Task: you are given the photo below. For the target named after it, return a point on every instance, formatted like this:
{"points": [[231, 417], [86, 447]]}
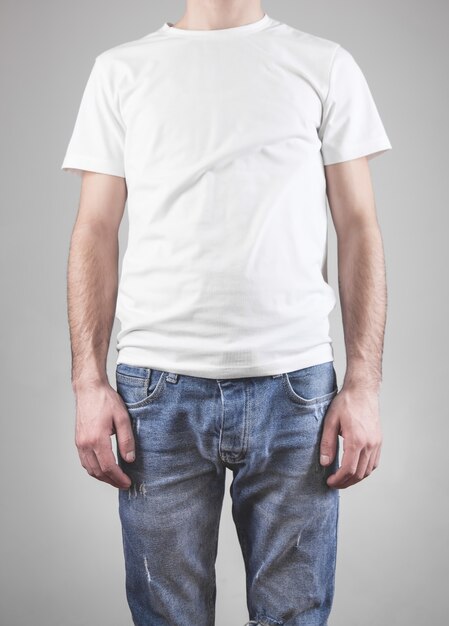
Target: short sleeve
{"points": [[98, 136], [351, 126]]}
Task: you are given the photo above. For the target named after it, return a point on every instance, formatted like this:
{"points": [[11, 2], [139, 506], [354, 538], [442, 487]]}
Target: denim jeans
{"points": [[267, 431]]}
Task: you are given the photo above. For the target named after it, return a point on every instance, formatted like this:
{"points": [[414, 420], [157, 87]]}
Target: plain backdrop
{"points": [[61, 552]]}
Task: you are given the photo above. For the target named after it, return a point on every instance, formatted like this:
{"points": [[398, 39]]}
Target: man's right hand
{"points": [[101, 413]]}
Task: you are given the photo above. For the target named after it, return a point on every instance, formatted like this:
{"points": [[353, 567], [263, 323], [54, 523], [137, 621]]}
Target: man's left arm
{"points": [[354, 412]]}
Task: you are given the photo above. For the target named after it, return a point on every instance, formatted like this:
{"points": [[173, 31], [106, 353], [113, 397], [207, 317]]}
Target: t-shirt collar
{"points": [[259, 24]]}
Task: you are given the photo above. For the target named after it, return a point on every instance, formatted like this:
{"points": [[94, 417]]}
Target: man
{"points": [[224, 133]]}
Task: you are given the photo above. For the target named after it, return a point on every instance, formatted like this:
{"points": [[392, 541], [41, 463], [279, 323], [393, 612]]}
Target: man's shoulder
{"points": [[308, 41], [312, 54], [129, 50]]}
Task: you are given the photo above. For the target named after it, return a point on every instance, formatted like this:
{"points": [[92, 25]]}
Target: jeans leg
{"points": [[285, 514], [170, 515]]}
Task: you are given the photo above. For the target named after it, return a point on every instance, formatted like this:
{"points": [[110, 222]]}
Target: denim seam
{"points": [[157, 391], [222, 422], [228, 457], [305, 402], [142, 381]]}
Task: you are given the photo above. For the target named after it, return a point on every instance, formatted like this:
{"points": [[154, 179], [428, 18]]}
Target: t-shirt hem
{"points": [[78, 163], [369, 149], [141, 358]]}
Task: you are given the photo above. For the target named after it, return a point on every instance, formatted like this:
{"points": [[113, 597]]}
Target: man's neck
{"points": [[218, 14]]}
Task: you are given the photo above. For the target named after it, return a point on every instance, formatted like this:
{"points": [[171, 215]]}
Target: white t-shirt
{"points": [[222, 136]]}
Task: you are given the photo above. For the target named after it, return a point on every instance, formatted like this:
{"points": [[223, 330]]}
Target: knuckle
{"points": [[122, 420], [86, 443], [127, 440], [332, 422], [99, 449]]}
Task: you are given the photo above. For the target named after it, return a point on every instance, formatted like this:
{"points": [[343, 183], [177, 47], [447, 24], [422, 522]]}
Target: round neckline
{"points": [[259, 24]]}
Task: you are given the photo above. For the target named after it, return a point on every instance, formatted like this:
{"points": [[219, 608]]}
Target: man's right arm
{"points": [[92, 281]]}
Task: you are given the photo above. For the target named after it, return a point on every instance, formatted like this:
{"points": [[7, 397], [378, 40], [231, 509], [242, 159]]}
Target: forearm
{"points": [[91, 299], [363, 297]]}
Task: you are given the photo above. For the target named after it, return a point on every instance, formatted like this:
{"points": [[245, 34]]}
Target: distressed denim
{"points": [[266, 430]]}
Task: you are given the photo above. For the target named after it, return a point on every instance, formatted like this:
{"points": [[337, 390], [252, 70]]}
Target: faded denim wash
{"points": [[267, 431]]}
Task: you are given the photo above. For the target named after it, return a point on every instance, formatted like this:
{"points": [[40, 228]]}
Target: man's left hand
{"points": [[353, 414]]}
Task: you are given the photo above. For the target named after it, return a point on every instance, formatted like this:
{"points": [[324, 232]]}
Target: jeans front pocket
{"points": [[310, 386], [138, 386]]}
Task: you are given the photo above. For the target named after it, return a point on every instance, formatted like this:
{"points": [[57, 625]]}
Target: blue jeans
{"points": [[267, 431]]}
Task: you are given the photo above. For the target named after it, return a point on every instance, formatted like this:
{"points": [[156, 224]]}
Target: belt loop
{"points": [[172, 377], [276, 375]]}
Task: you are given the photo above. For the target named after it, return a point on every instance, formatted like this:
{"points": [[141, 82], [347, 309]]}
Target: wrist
{"points": [[359, 377], [91, 382], [361, 383]]}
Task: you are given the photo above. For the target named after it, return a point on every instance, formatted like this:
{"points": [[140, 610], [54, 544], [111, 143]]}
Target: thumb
{"points": [[328, 445], [125, 438]]}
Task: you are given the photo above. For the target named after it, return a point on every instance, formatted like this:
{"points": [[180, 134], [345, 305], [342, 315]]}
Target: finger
{"points": [[376, 462], [346, 471], [328, 444], [372, 461], [360, 472], [84, 461], [125, 436], [95, 468], [109, 467]]}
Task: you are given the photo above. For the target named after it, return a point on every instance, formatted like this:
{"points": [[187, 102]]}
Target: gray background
{"points": [[61, 554]]}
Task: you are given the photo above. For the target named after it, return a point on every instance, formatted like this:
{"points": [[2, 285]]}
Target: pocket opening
{"points": [[136, 391], [311, 386]]}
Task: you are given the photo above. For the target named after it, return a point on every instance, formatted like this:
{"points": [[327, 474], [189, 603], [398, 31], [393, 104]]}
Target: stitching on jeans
{"points": [[133, 379], [157, 391], [306, 402]]}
